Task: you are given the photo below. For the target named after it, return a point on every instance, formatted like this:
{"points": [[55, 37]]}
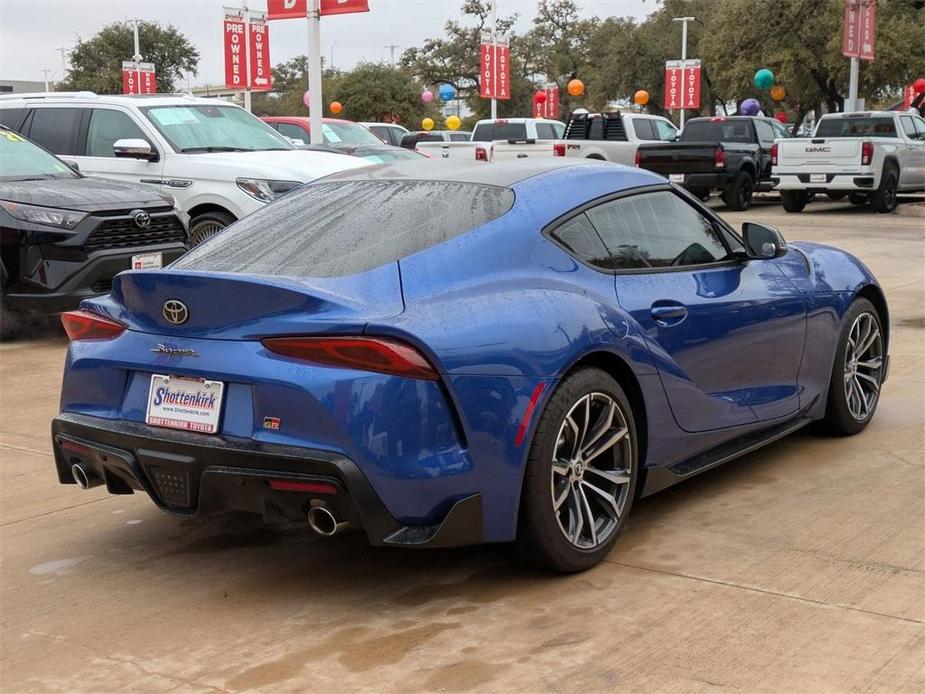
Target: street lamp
{"points": [[684, 21]]}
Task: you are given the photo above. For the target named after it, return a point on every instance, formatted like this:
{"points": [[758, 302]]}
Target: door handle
{"points": [[669, 315]]}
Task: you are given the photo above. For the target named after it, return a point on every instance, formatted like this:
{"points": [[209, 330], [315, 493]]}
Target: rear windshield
{"points": [[718, 131], [486, 132], [345, 227], [883, 126]]}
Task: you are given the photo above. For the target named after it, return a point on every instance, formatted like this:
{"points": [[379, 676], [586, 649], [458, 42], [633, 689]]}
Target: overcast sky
{"points": [[31, 30]]}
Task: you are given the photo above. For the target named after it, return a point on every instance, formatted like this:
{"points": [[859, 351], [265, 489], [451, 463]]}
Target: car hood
{"points": [[284, 165], [86, 194]]}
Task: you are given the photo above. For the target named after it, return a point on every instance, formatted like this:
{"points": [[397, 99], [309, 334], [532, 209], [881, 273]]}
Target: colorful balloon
{"points": [[427, 124], [540, 97], [781, 116], [764, 78], [453, 122], [306, 99], [641, 97], [778, 92], [576, 87], [427, 96], [750, 107], [336, 107], [919, 85], [447, 92]]}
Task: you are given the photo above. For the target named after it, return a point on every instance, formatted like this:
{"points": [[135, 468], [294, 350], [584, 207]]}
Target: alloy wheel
{"points": [[205, 231], [591, 470], [863, 366]]}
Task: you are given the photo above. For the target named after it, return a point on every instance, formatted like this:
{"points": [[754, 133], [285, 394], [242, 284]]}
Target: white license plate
{"points": [[181, 402], [817, 178], [148, 261], [676, 178]]}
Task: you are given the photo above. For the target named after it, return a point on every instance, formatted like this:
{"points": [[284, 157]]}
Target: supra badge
{"points": [[169, 351]]}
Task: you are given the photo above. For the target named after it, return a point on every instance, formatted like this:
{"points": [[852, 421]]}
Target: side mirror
{"points": [[71, 164], [134, 149], [762, 242]]}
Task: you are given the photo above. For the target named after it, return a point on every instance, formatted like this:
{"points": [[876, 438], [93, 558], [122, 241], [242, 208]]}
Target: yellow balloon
{"points": [[778, 93], [427, 124], [453, 122]]}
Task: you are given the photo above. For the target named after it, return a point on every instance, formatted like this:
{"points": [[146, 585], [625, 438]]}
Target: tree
{"points": [[381, 92], [96, 64]]}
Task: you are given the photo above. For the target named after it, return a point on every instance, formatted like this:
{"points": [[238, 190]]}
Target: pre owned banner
{"points": [[235, 41], [495, 68], [858, 29], [298, 9], [261, 78], [138, 80], [682, 84], [237, 45]]}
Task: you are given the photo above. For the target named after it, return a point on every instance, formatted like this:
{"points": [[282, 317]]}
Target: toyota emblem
{"points": [[142, 219], [175, 312]]}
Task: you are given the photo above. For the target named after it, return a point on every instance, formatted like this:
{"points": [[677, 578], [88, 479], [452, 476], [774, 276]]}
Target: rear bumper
{"points": [[194, 474], [847, 182]]}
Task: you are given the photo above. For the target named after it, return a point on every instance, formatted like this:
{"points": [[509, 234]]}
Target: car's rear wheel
{"points": [[884, 198], [208, 224], [580, 474], [793, 200], [857, 373], [739, 195]]}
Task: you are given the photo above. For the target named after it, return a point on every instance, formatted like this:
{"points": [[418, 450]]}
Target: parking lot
{"points": [[799, 568]]}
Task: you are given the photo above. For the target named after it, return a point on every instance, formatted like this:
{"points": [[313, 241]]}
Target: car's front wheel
{"points": [[794, 200], [580, 475], [206, 225], [857, 373]]}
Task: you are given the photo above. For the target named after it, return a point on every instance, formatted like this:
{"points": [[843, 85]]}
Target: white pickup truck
{"points": [[613, 136], [501, 139], [869, 156]]}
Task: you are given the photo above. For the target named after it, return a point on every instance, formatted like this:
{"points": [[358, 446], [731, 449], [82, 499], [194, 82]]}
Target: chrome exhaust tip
{"points": [[323, 522], [80, 476]]}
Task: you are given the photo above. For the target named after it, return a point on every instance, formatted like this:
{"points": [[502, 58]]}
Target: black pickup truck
{"points": [[731, 154]]}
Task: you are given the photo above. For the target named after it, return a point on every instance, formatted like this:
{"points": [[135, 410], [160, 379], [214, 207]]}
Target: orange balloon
{"points": [[576, 87], [778, 93], [641, 97], [336, 107]]}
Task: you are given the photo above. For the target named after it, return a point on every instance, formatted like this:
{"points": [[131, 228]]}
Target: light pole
{"points": [[332, 53], [392, 48], [316, 134], [494, 57], [684, 21], [137, 56], [46, 72], [63, 51]]}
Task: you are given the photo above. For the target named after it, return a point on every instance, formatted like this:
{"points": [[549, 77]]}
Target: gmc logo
{"points": [[810, 150]]}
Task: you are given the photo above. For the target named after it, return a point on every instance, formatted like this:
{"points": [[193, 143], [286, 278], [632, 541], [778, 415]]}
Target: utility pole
{"points": [[63, 51], [684, 21], [137, 56], [332, 54], [494, 57], [247, 56], [46, 71], [391, 48], [316, 133]]}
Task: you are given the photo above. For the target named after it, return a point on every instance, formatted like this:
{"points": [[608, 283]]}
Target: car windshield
{"points": [[499, 130], [717, 131], [207, 128], [348, 134], [341, 228], [882, 126], [20, 160]]}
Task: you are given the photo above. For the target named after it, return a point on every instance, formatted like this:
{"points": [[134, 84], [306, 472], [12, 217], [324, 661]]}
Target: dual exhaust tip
{"points": [[83, 478]]}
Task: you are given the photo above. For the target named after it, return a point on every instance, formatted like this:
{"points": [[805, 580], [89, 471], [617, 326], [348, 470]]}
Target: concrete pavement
{"points": [[800, 568]]}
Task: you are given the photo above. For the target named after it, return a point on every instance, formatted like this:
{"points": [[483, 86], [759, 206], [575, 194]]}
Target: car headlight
{"points": [[49, 216], [264, 189]]}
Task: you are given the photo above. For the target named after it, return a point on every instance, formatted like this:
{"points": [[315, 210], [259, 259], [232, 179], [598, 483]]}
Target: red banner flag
{"points": [[343, 6], [682, 84], [234, 53], [261, 77], [550, 107], [295, 9], [673, 88], [691, 96], [866, 29], [140, 79], [495, 68]]}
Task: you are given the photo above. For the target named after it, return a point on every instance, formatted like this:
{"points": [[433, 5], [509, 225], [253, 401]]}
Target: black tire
{"points": [[541, 535], [206, 225], [857, 198], [793, 200], [842, 410], [884, 198], [739, 195]]}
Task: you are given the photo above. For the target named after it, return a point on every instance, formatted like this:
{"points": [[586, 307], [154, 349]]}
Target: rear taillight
{"points": [[867, 153], [719, 158], [774, 154], [637, 159], [84, 325], [558, 149], [364, 353], [481, 154]]}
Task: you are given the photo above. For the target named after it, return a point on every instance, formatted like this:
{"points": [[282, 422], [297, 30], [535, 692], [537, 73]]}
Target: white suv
{"points": [[217, 160]]}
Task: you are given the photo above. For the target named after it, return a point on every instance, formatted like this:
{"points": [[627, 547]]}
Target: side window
{"points": [[545, 131], [581, 239], [780, 130], [12, 117], [107, 126], [644, 129], [665, 131], [458, 137], [765, 132], [292, 131], [559, 129], [656, 230], [908, 126], [55, 129], [919, 127]]}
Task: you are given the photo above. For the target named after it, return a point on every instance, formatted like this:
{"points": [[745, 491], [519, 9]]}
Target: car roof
{"points": [[505, 173], [92, 97], [862, 114]]}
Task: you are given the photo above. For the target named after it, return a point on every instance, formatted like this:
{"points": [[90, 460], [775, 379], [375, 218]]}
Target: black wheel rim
{"points": [[745, 196]]}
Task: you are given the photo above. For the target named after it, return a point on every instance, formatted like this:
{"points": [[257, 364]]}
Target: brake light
{"points": [[719, 158], [481, 154], [637, 159], [84, 325], [774, 154], [867, 153], [364, 353], [558, 149], [718, 119]]}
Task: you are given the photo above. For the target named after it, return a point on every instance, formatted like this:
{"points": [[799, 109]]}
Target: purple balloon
{"points": [[427, 96], [750, 107]]}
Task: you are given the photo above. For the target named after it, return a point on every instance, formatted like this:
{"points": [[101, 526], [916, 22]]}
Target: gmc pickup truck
{"points": [[501, 139], [731, 154], [870, 157], [612, 136]]}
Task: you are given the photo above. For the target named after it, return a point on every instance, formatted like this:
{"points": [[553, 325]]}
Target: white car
{"points": [[389, 133], [500, 139], [870, 157], [613, 136], [218, 161]]}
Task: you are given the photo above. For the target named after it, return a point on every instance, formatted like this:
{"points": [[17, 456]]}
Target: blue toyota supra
{"points": [[443, 354]]}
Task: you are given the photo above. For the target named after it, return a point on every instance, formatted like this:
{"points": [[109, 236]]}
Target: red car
{"points": [[343, 136]]}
